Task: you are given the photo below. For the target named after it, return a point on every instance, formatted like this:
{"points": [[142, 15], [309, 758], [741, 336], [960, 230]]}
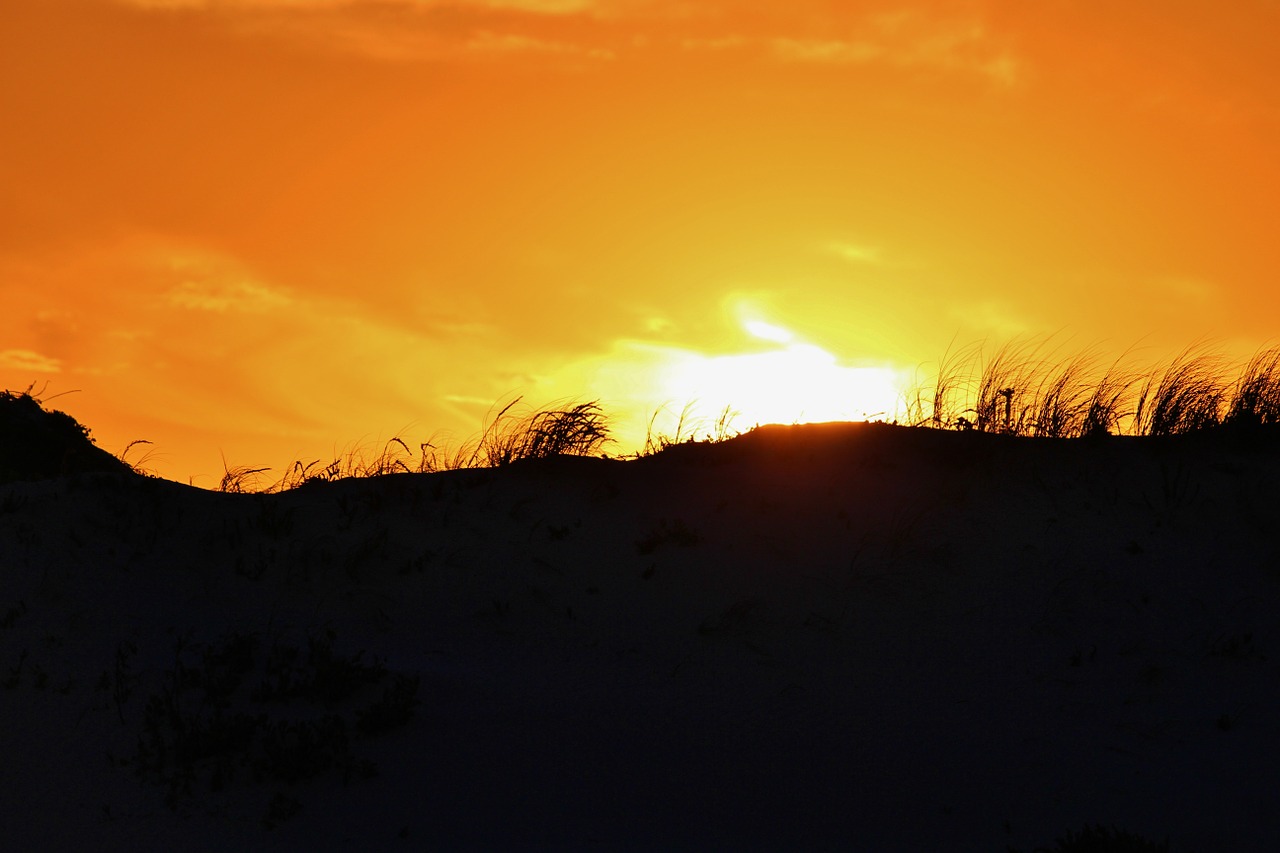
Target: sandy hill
{"points": [[828, 637], [36, 442]]}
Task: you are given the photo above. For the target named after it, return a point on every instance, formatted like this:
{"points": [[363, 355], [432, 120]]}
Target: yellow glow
{"points": [[768, 332], [797, 382], [356, 219]]}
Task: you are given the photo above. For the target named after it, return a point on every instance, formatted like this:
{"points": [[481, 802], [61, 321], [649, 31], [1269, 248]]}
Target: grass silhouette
{"points": [[1255, 399], [1022, 388], [512, 435], [1019, 389], [686, 429], [579, 429]]}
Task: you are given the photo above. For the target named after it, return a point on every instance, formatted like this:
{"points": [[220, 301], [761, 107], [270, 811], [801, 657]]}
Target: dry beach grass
{"points": [[842, 636]]}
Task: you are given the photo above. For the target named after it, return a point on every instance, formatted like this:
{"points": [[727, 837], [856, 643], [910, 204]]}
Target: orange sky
{"points": [[266, 229]]}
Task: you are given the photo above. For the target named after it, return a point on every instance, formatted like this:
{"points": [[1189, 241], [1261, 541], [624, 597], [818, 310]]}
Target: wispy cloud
{"points": [[911, 40], [855, 252], [411, 30], [29, 361], [507, 43], [725, 42], [906, 38], [542, 7], [993, 317], [246, 296], [804, 32], [206, 282], [826, 50]]}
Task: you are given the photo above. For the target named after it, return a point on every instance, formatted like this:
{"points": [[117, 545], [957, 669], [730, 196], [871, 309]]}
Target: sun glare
{"points": [[796, 382], [768, 332]]}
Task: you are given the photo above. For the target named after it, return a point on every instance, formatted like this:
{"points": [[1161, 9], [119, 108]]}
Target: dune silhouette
{"points": [[36, 443], [829, 636]]}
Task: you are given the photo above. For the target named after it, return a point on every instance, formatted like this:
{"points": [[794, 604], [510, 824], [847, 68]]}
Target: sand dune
{"points": [[854, 637]]}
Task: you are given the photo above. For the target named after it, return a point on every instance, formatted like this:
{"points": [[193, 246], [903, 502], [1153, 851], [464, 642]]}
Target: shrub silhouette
{"points": [[38, 443], [236, 711]]}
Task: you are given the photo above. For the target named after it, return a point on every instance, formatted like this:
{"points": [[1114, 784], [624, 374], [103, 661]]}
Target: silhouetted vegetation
{"points": [[37, 443], [1021, 389], [687, 428], [241, 711], [579, 429]]}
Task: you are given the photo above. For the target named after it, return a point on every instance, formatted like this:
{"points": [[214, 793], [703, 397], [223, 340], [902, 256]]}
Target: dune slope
{"points": [[856, 637]]}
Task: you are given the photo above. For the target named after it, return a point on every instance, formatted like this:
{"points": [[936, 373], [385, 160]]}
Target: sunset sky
{"points": [[264, 230]]}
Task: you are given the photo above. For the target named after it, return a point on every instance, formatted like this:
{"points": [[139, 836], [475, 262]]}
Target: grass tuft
{"points": [[577, 430], [1063, 399], [1019, 391], [687, 428], [138, 466], [1108, 400], [240, 479], [1005, 390], [935, 405], [1184, 397], [1255, 399]]}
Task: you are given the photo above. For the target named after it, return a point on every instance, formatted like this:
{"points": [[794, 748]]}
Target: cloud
{"points": [[995, 318], [403, 31], [246, 296], [726, 42], [208, 282], [506, 43], [167, 4], [904, 38], [27, 360], [910, 40], [802, 32], [855, 253], [540, 7], [825, 50]]}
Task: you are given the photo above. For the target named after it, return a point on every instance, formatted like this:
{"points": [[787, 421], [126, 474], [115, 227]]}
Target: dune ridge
{"points": [[853, 636]]}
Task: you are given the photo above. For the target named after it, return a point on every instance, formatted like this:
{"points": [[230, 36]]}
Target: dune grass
{"points": [[1255, 398], [580, 429], [516, 433], [513, 434], [1025, 388], [687, 427]]}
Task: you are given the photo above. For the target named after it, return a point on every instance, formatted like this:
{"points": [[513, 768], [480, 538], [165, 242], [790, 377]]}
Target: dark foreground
{"points": [[854, 637]]}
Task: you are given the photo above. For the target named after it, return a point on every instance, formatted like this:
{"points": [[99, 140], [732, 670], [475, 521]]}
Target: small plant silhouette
{"points": [[231, 711], [667, 532]]}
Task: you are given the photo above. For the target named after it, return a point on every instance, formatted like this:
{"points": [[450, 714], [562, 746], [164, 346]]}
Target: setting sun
{"points": [[789, 382]]}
